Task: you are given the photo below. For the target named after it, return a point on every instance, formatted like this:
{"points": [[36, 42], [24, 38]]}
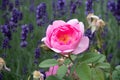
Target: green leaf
{"points": [[48, 63], [117, 67], [52, 78], [62, 71], [67, 78], [90, 58], [83, 71], [116, 75], [103, 65], [102, 58], [97, 74]]}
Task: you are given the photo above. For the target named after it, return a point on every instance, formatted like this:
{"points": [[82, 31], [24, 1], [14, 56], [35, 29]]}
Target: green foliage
{"points": [[52, 78], [91, 57], [61, 72], [48, 63], [97, 74], [116, 73], [83, 71]]}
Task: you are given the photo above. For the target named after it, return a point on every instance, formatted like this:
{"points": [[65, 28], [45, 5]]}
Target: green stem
{"points": [[71, 59]]}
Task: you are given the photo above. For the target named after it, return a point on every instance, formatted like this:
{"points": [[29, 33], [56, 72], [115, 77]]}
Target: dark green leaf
{"points": [[83, 71], [48, 63], [52, 78], [90, 58], [62, 71], [103, 65], [97, 74]]}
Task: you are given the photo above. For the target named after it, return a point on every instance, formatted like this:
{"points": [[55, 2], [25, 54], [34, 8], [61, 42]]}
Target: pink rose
{"points": [[66, 37], [52, 71]]}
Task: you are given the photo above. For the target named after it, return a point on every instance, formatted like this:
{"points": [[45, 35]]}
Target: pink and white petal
{"points": [[43, 39], [56, 50], [58, 23], [83, 45], [67, 51], [78, 25], [73, 22], [81, 26], [55, 68], [47, 43], [49, 30]]}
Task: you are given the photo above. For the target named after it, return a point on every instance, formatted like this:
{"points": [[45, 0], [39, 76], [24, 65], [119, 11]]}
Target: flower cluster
{"points": [[24, 34], [115, 9], [16, 15], [4, 4], [41, 14], [89, 5], [59, 8]]}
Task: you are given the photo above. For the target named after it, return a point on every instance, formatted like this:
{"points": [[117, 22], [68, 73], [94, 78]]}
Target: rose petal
{"points": [[47, 43], [43, 39], [58, 23], [52, 71], [83, 45], [78, 25], [67, 51], [55, 24], [56, 50], [81, 26], [73, 21]]}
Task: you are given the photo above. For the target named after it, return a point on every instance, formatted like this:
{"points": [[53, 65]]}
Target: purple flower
{"points": [[23, 43], [73, 7], [79, 3], [37, 52], [30, 27], [59, 8], [41, 14], [17, 3], [32, 7], [5, 43], [43, 72], [1, 76], [89, 34], [61, 4], [4, 4], [24, 34], [109, 57], [55, 56], [111, 5], [16, 15], [115, 9], [11, 6], [89, 5], [5, 29]]}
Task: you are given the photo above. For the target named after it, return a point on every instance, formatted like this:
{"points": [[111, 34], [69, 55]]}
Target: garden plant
{"points": [[59, 39]]}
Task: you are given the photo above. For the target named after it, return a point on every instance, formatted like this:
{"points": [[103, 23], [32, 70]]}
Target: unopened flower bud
{"points": [[60, 61], [37, 75]]}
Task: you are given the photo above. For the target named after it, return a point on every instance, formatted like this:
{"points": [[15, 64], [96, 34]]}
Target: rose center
{"points": [[64, 38], [64, 34]]}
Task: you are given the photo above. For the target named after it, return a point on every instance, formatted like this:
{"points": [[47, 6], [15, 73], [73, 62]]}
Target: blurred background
{"points": [[23, 24]]}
